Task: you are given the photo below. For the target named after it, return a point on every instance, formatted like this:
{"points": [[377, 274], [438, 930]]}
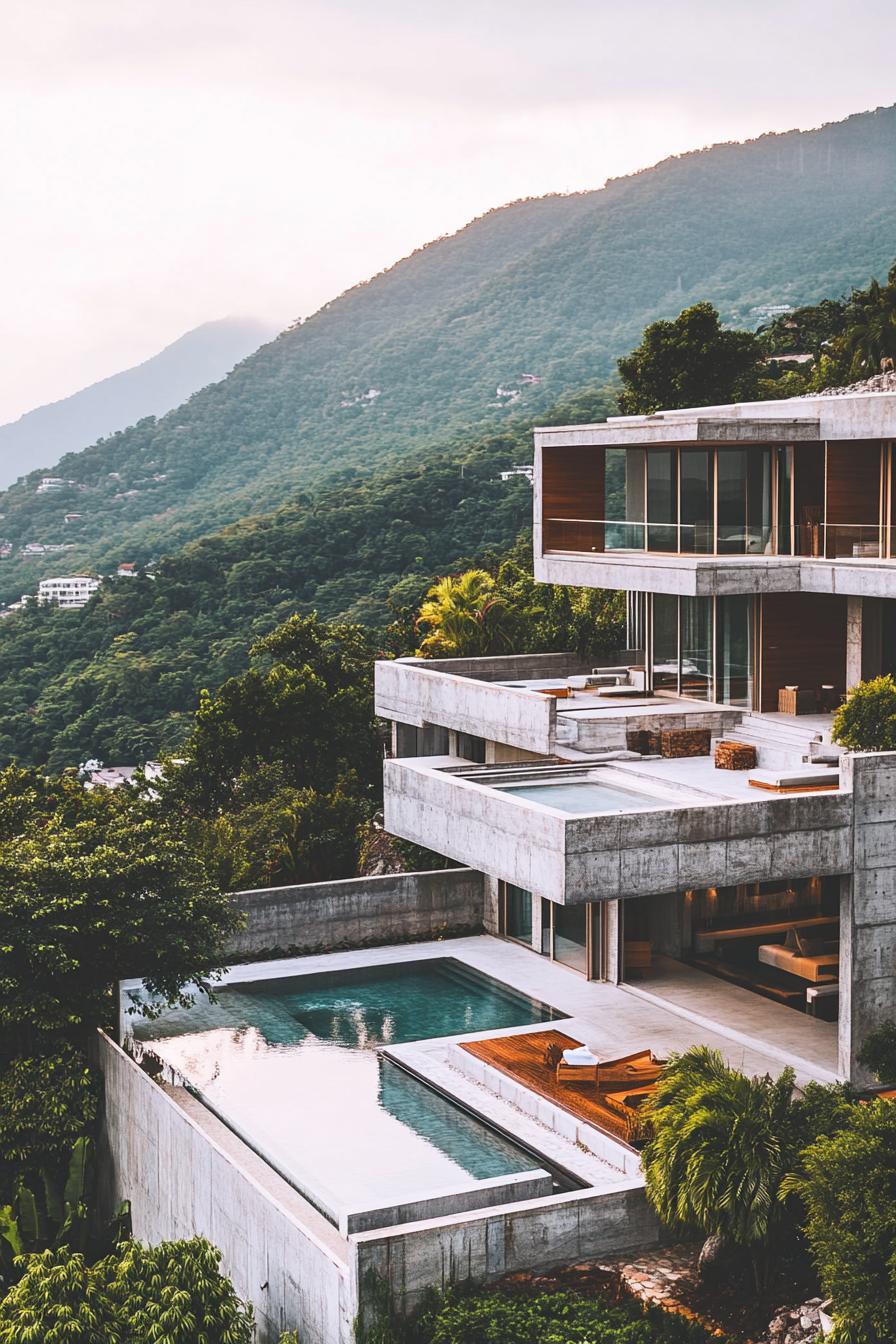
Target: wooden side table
{"points": [[796, 701]]}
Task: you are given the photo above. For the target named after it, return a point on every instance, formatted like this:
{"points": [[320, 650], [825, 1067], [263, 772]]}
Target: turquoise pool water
{"points": [[584, 795], [291, 1065]]}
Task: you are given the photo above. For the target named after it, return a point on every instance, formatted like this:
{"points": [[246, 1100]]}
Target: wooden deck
{"points": [[522, 1058]]}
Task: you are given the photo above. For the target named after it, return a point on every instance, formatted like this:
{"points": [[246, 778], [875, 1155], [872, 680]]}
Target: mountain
{"points": [[502, 318], [202, 356]]}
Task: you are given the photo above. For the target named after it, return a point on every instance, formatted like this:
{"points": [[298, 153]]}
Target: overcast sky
{"points": [[163, 162]]}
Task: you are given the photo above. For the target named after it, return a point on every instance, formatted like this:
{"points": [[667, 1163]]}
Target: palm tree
{"points": [[722, 1145], [465, 616]]}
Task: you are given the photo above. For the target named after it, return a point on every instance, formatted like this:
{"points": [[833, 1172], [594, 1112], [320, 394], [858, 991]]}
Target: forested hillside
{"points": [[200, 357], [121, 678], [533, 299]]}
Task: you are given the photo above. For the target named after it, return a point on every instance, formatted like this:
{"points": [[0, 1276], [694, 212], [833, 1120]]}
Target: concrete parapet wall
{"points": [[359, 912], [572, 859], [418, 693], [282, 1255], [535, 1184], [535, 1236]]}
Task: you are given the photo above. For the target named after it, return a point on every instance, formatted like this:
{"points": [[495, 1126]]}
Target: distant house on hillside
{"points": [[50, 483], [95, 775], [126, 570], [33, 548], [70, 590], [526, 471], [72, 517]]}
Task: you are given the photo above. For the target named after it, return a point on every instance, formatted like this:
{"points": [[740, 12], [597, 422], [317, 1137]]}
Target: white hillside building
{"points": [[70, 590]]}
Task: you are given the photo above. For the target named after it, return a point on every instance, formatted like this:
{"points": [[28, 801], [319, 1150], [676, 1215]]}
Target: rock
{"points": [[714, 1258]]}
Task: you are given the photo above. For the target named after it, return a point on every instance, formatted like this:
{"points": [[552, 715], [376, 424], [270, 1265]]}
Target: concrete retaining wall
{"points": [[359, 912], [540, 1235], [534, 1184], [281, 1254]]}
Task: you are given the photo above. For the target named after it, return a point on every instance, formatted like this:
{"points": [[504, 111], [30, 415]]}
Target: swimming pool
{"points": [[291, 1064], [584, 796]]}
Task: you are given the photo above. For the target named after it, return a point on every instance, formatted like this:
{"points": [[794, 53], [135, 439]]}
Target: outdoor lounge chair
{"points": [[640, 1069], [577, 1066]]}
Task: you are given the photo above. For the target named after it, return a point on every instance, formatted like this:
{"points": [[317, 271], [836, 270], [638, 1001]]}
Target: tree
{"points": [[306, 707], [97, 887], [465, 616], [866, 721], [175, 1293], [690, 361], [59, 1300], [849, 1190], [878, 1053], [722, 1145]]}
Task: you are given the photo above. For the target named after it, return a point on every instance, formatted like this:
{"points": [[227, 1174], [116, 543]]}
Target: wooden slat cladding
{"points": [[852, 500], [803, 643], [573, 488]]}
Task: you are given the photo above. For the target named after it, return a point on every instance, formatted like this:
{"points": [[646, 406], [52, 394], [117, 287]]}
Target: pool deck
{"points": [[668, 1012]]}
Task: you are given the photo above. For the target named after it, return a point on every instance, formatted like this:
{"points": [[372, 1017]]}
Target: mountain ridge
{"points": [[521, 306], [156, 385]]}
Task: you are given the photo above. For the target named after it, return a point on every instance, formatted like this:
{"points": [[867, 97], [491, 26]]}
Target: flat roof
{"points": [[856, 415]]}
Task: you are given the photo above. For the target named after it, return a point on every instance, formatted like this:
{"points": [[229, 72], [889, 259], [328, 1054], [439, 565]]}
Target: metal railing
{"points": [[813, 541]]}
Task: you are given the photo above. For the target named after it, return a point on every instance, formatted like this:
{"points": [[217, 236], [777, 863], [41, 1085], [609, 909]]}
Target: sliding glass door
{"points": [[571, 935], [703, 648]]}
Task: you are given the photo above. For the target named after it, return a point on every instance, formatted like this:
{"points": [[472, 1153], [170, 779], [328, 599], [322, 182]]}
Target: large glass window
{"points": [[734, 651], [662, 500], [744, 501], [695, 618], [696, 501], [624, 499], [665, 643], [571, 936], [517, 913]]}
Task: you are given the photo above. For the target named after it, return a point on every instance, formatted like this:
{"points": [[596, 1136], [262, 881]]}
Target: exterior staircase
{"points": [[782, 744]]}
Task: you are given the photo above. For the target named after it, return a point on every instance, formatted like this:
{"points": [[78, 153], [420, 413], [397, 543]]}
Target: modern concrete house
{"points": [[378, 1102], [757, 549]]}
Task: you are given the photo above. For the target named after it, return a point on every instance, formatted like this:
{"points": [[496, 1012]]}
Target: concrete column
{"points": [[536, 922], [490, 913], [613, 950], [868, 908], [853, 642]]}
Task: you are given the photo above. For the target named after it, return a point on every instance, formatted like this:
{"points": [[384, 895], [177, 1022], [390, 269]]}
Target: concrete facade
{"points": [[358, 912], [692, 842]]}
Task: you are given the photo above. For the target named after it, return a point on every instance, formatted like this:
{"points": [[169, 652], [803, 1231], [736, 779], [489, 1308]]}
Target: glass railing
{"points": [[818, 541]]}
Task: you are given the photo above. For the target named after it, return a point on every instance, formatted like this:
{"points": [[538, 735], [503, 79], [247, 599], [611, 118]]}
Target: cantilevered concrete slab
{"points": [[680, 837]]}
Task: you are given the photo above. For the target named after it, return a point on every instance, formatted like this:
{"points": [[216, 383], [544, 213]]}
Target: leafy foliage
{"points": [[866, 721], [95, 888], [59, 1300], [549, 1318], [722, 1145], [173, 1293], [46, 1103], [465, 616], [849, 1189], [689, 362], [878, 1053]]}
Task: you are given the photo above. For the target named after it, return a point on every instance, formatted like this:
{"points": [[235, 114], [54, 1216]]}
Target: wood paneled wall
{"points": [[853, 486], [803, 643], [573, 486]]}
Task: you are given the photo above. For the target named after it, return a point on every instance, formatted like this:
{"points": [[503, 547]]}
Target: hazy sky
{"points": [[163, 162]]}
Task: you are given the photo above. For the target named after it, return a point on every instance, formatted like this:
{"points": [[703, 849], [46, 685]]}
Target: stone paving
{"points": [[656, 1277]]}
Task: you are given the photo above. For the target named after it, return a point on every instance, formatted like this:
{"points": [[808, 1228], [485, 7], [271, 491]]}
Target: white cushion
{"points": [[580, 1055]]}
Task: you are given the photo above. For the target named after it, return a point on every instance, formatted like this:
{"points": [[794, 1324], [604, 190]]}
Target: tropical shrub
{"points": [[722, 1145], [878, 1053], [465, 616], [59, 1300], [866, 721], [175, 1293], [46, 1104], [848, 1186], [549, 1318]]}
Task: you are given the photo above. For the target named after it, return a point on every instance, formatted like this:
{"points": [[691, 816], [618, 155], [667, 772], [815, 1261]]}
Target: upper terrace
{"points": [[782, 496]]}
